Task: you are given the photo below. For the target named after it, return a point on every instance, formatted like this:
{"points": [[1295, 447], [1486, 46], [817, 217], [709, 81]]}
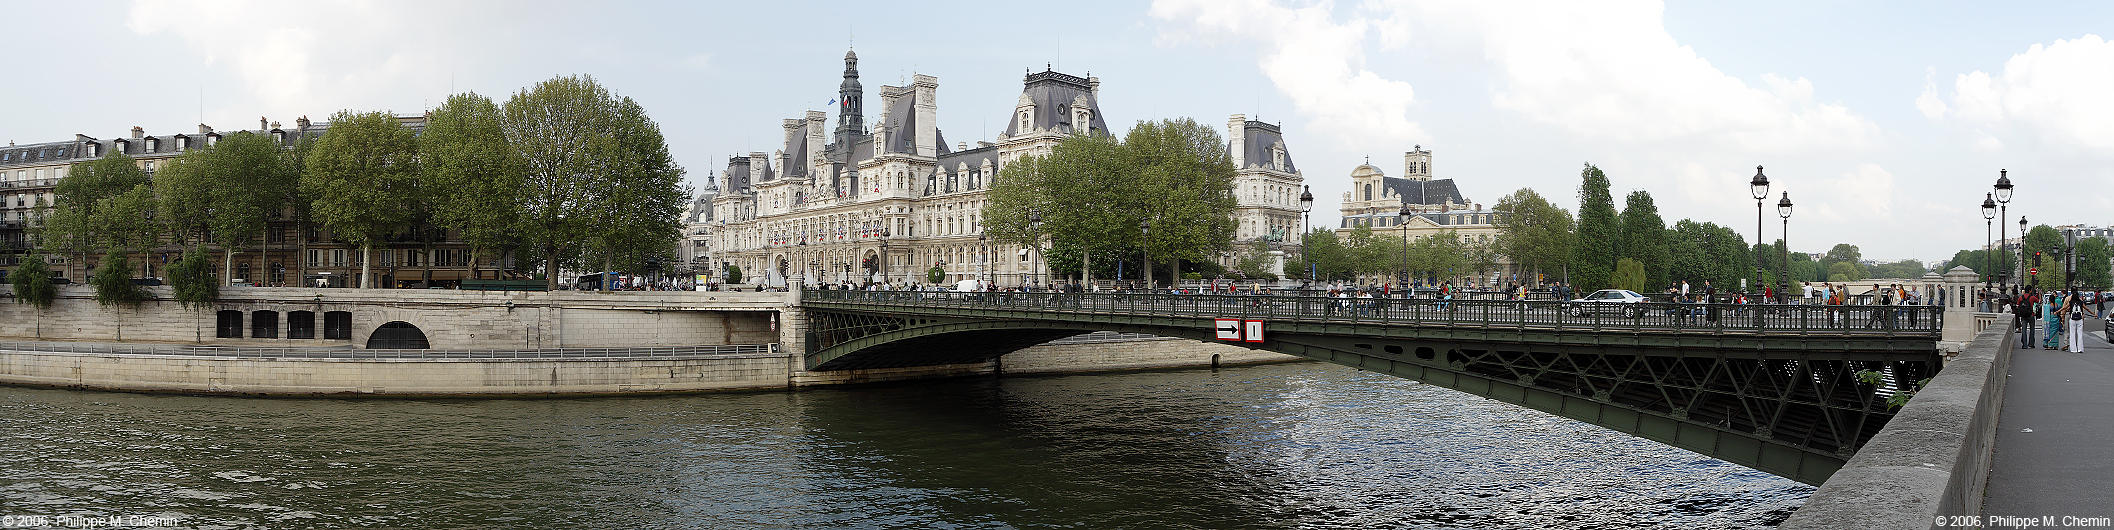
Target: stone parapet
{"points": [[1933, 457]]}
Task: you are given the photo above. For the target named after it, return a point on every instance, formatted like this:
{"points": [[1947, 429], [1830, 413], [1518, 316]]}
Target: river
{"points": [[1302, 445]]}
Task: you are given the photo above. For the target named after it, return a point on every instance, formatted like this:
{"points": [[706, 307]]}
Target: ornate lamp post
{"points": [[983, 257], [1144, 238], [2022, 252], [1783, 209], [1989, 212], [1402, 223], [1760, 188], [2003, 196], [1306, 209], [883, 265]]}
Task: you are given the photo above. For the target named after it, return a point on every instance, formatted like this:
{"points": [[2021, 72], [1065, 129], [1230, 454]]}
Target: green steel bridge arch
{"points": [[1775, 388]]}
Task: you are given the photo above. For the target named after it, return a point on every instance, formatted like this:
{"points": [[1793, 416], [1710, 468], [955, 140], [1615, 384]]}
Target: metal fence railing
{"points": [[1906, 320], [348, 353]]}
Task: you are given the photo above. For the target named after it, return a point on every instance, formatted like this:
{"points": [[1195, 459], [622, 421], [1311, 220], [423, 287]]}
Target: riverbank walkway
{"points": [[2055, 436], [351, 353]]}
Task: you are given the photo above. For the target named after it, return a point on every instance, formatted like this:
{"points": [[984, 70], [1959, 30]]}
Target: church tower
{"points": [[1416, 164], [850, 122]]}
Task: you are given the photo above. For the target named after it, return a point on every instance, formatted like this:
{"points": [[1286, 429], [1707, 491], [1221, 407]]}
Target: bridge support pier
{"points": [[1960, 299]]}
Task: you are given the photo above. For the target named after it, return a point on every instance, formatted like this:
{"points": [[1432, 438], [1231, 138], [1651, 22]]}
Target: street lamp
{"points": [[1306, 209], [1144, 247], [1783, 209], [2022, 252], [1760, 187], [1989, 212], [983, 257], [1402, 223], [2003, 196]]}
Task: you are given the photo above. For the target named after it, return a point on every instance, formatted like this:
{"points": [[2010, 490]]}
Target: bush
{"points": [[935, 275], [113, 281], [733, 274], [192, 278], [33, 282]]}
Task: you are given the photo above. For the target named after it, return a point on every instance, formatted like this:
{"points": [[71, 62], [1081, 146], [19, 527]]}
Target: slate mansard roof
{"points": [[1435, 191], [1053, 94], [1257, 138]]}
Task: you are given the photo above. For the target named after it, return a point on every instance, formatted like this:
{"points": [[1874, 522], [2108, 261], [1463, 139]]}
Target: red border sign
{"points": [[1228, 329], [1252, 330]]}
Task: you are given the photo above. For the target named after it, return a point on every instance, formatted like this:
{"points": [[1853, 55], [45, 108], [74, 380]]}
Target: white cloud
{"points": [[292, 56], [1316, 62], [2059, 94]]}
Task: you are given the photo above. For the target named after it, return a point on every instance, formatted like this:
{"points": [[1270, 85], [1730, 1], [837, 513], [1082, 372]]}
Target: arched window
{"points": [[1368, 192]]}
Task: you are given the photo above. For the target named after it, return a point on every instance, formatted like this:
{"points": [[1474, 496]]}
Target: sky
{"points": [[1881, 120]]}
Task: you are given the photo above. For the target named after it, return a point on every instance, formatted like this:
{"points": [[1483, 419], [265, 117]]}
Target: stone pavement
{"points": [[2055, 437]]}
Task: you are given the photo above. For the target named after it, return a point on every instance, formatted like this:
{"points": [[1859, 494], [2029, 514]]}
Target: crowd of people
{"points": [[2059, 313]]}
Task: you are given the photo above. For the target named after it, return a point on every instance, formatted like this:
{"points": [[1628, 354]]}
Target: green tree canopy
{"points": [[1644, 238], [192, 279], [76, 223], [1593, 260], [362, 174], [1537, 235], [1629, 274], [639, 200], [2092, 263], [32, 281], [477, 178], [2048, 243], [113, 281]]}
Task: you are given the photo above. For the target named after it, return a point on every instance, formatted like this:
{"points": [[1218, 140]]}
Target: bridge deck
{"points": [[1711, 319]]}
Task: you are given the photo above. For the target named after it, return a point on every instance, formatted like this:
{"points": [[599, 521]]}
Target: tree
{"points": [[1629, 274], [192, 279], [73, 225], [361, 175], [226, 192], [1593, 260], [1843, 271], [113, 281], [638, 199], [2093, 265], [1644, 237], [1326, 251], [733, 274], [464, 156], [563, 131], [32, 280], [1535, 234], [935, 275], [1254, 261], [1092, 193], [2047, 242]]}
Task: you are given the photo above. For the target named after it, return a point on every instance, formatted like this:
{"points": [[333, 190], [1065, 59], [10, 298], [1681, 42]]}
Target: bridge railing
{"points": [[1912, 320]]}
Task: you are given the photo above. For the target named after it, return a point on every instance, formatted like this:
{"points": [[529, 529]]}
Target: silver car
{"points": [[1610, 301]]}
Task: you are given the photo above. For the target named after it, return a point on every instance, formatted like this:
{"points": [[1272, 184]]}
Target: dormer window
{"points": [[183, 142], [153, 143], [1025, 125], [278, 136]]}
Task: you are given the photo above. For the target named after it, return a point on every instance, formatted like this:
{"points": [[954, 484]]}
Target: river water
{"points": [[1303, 445]]}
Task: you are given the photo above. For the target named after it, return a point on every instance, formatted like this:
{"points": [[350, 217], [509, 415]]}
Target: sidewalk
{"points": [[2065, 465]]}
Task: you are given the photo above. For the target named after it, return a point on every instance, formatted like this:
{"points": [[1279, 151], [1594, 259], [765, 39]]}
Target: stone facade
{"points": [[1435, 207], [890, 202]]}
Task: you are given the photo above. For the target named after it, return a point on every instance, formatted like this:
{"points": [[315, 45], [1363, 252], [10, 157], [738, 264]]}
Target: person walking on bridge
{"points": [[2052, 319], [2074, 311], [2026, 308]]}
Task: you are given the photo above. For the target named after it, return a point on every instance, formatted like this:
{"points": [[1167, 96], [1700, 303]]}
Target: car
{"points": [[1614, 301]]}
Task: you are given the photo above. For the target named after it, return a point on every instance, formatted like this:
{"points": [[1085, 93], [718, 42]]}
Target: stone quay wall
{"points": [[450, 319], [1932, 459]]}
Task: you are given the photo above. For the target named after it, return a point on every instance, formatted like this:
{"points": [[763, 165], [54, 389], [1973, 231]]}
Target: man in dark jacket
{"points": [[2022, 307]]}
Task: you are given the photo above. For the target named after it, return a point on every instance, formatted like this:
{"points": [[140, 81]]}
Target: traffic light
{"points": [[2036, 260]]}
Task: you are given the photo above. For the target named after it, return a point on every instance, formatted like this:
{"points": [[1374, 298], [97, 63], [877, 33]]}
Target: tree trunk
{"points": [[227, 266], [366, 265], [473, 263], [604, 273], [1086, 270], [550, 265], [301, 253]]}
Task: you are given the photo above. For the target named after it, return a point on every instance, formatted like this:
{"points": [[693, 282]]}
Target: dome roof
{"points": [[1366, 170]]}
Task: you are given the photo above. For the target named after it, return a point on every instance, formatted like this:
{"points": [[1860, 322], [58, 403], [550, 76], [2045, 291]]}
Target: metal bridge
{"points": [[1773, 387]]}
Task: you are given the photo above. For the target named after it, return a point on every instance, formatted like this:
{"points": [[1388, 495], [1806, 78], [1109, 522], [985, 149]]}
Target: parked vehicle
{"points": [[1609, 301]]}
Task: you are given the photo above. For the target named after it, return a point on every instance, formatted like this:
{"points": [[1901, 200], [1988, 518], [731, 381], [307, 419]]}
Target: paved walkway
{"points": [[2055, 437]]}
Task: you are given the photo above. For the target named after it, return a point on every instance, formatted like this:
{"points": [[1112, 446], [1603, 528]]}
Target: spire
{"points": [[850, 121]]}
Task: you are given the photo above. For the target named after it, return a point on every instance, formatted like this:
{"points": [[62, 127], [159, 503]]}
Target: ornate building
{"points": [[890, 201], [1435, 206], [283, 255]]}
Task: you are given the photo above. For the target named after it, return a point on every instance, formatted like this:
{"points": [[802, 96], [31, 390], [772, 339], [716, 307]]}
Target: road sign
{"points": [[1228, 329], [1252, 330]]}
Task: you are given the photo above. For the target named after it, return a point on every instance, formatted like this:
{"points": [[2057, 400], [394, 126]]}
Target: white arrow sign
{"points": [[1228, 329]]}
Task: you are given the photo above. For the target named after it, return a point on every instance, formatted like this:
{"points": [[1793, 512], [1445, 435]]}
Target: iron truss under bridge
{"points": [[1773, 387]]}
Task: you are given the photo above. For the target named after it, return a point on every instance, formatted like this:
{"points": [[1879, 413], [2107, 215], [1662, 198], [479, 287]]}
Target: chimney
{"points": [[302, 122], [138, 132], [1236, 139], [981, 144], [203, 129], [927, 133], [1093, 86], [263, 124], [961, 146]]}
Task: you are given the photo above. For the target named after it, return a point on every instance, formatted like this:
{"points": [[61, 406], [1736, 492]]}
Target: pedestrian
{"points": [[2076, 314], [2052, 320], [2025, 308]]}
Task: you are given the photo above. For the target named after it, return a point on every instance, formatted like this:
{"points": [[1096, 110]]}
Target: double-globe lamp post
{"points": [[1306, 215], [2003, 196], [1035, 226], [1760, 187]]}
